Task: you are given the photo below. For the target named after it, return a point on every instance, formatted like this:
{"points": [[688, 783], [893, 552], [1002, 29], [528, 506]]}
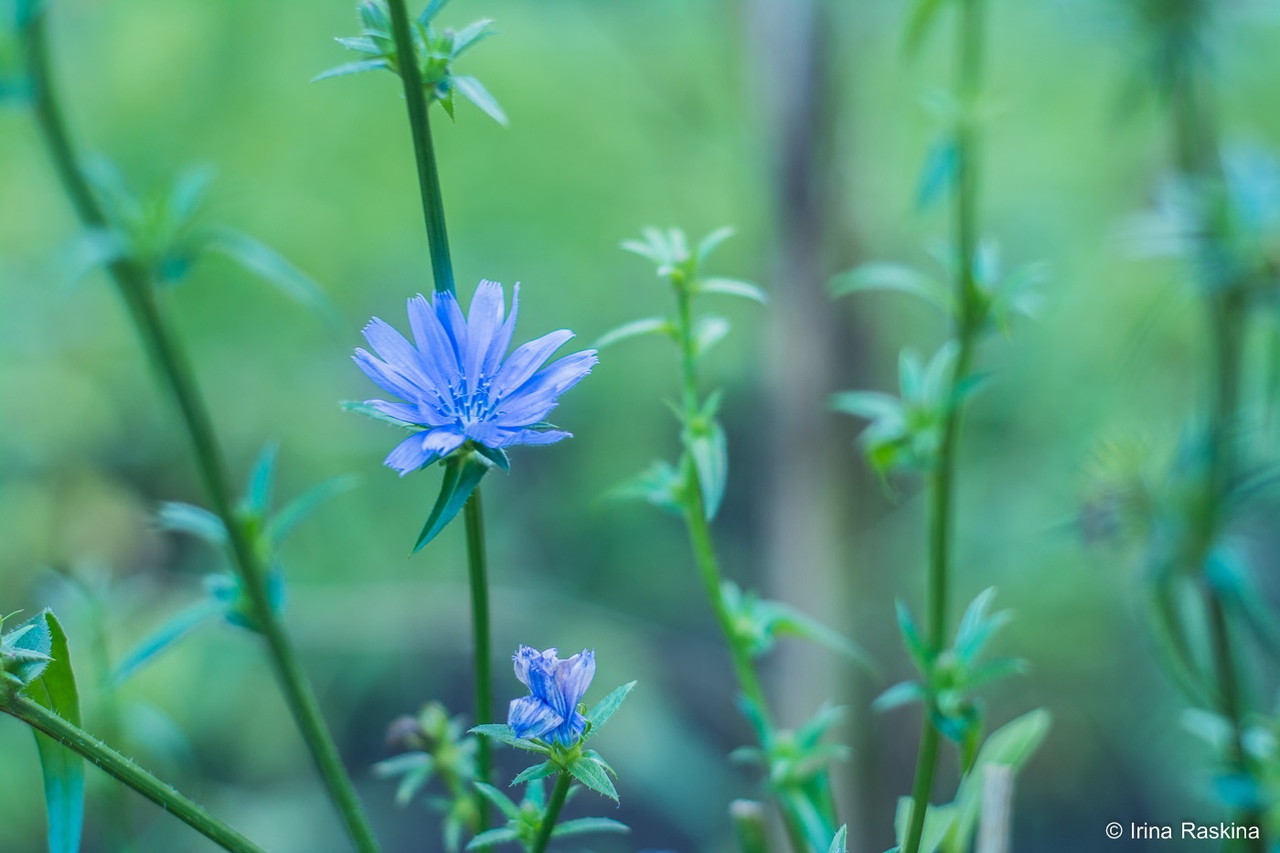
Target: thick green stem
{"points": [[548, 826], [480, 631], [87, 746], [424, 151], [170, 361], [941, 487]]}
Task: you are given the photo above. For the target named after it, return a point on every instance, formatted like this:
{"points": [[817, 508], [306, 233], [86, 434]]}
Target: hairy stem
{"points": [[941, 485], [548, 826], [480, 631], [122, 769], [134, 285], [424, 152]]}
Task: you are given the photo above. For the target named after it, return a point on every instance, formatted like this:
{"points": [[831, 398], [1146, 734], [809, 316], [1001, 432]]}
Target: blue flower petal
{"points": [[423, 448], [449, 313], [523, 657], [435, 348], [522, 363], [570, 730], [483, 323], [392, 348], [502, 338], [533, 436], [534, 400], [573, 677], [530, 717], [386, 376]]}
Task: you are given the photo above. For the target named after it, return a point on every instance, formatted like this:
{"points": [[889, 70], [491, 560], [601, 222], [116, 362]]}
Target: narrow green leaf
{"points": [[282, 523], [606, 707], [471, 35], [502, 733], [838, 843], [938, 177], [787, 621], [871, 405], [923, 14], [892, 277], [902, 693], [710, 453], [462, 475], [192, 520], [352, 68], [937, 821], [916, 647], [496, 455], [712, 241], [262, 480], [591, 774], [583, 825], [28, 649], [509, 809], [475, 92], [373, 414], [63, 769], [167, 636], [733, 287], [647, 326], [272, 267], [660, 484], [708, 331], [493, 837], [537, 771]]}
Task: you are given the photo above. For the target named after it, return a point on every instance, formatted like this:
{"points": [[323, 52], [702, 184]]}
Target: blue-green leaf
{"points": [[647, 326], [892, 277], [272, 267], [352, 68], [499, 799], [167, 636], [193, 520], [461, 476], [373, 414], [283, 522], [502, 733], [660, 484], [590, 773], [589, 824], [475, 92], [838, 843], [733, 287], [537, 771], [493, 837], [709, 450], [605, 708], [63, 769]]}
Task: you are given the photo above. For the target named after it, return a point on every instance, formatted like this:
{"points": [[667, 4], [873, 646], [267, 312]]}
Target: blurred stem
{"points": [[941, 484], [170, 361], [552, 814], [704, 552], [1198, 159], [476, 563], [122, 769], [424, 151]]}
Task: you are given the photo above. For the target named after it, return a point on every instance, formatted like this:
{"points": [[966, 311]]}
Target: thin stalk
{"points": [[1198, 158], [549, 818], [941, 483], [708, 565], [474, 515], [122, 769], [424, 151], [170, 361]]}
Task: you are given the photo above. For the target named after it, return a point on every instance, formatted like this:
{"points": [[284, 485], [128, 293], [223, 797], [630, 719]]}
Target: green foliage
{"points": [[793, 760], [436, 52], [758, 623], [436, 747], [525, 819], [164, 234], [36, 663], [950, 677], [463, 471]]}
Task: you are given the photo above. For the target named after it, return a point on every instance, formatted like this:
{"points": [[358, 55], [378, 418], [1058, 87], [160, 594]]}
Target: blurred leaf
{"points": [[838, 843], [352, 68], [462, 474], [257, 499], [712, 241], [271, 267], [475, 92], [471, 35], [502, 733], [492, 837], [938, 177], [871, 405], [937, 821], [591, 773], [63, 770], [708, 331], [787, 621], [165, 637], [370, 412], [647, 326], [892, 277], [733, 287], [504, 804], [902, 693], [584, 825], [415, 770], [606, 707], [192, 520], [1012, 746], [709, 451], [916, 648], [923, 14], [282, 523], [659, 484]]}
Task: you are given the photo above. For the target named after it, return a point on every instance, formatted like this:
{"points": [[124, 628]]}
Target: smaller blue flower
{"points": [[556, 687], [458, 383]]}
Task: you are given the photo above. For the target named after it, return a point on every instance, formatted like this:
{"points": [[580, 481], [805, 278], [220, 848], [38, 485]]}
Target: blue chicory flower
{"points": [[550, 711], [456, 384]]}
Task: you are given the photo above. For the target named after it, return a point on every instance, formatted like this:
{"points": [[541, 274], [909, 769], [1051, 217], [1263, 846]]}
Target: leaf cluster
{"points": [[436, 50]]}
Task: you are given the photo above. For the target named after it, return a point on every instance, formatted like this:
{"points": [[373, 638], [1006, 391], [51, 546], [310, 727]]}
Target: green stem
{"points": [[424, 151], [170, 361], [699, 531], [87, 746], [942, 481], [552, 814], [476, 563]]}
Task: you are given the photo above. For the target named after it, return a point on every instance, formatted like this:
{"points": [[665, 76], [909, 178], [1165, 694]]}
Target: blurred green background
{"points": [[623, 113]]}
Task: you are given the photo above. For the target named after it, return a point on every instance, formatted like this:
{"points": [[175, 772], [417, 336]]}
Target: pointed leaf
{"points": [[591, 774], [502, 733], [462, 475], [712, 241], [493, 837], [938, 177], [282, 523], [63, 770], [605, 708], [838, 843], [589, 824], [273, 268], [471, 35], [787, 621], [262, 480], [733, 287], [475, 92], [923, 14], [352, 68], [659, 484], [167, 636], [902, 693], [892, 277], [647, 326], [509, 809], [709, 450], [537, 771], [193, 520], [373, 414]]}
